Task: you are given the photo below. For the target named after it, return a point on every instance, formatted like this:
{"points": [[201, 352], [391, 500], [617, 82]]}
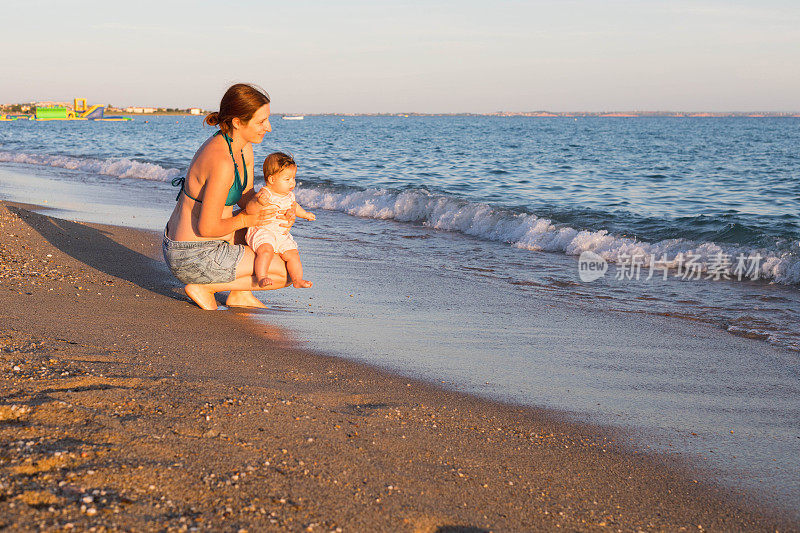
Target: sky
{"points": [[354, 56]]}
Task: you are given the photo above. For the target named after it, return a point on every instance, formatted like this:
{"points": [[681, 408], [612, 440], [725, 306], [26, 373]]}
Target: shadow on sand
{"points": [[96, 249]]}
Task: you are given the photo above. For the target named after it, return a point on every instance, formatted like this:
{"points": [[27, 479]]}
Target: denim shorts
{"points": [[202, 261]]}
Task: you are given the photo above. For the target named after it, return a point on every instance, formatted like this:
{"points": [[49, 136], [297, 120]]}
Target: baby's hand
{"points": [[289, 216], [311, 216]]}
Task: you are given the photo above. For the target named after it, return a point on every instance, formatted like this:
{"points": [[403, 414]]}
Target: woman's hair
{"points": [[239, 101], [277, 161]]}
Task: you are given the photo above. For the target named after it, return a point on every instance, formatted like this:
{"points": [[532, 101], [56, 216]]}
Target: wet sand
{"points": [[126, 407]]}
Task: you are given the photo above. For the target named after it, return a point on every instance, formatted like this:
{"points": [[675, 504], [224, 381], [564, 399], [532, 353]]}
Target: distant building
{"points": [[52, 104], [195, 111], [140, 109]]}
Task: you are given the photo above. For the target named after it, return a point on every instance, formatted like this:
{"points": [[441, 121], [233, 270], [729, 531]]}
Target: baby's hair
{"points": [[277, 161]]}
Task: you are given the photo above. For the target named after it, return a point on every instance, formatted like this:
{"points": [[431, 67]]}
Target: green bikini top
{"points": [[235, 193]]}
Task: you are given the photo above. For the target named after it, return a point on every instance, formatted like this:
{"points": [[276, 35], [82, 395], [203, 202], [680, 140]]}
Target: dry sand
{"points": [[124, 407]]}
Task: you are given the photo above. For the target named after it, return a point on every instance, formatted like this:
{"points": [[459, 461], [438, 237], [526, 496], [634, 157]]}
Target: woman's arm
{"points": [[211, 224], [247, 197]]}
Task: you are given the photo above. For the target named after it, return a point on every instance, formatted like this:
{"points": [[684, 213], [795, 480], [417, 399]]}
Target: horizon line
{"points": [[533, 113]]}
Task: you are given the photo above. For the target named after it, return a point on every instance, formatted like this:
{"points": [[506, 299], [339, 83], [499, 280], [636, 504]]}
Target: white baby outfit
{"points": [[272, 233]]}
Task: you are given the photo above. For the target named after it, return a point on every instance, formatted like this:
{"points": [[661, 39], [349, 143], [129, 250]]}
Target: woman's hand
{"points": [[257, 215], [254, 206], [262, 197], [289, 216]]}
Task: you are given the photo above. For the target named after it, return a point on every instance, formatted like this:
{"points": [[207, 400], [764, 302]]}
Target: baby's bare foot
{"points": [[302, 284], [264, 282]]}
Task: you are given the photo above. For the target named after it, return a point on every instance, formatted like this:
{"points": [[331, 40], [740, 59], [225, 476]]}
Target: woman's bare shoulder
{"points": [[212, 157]]}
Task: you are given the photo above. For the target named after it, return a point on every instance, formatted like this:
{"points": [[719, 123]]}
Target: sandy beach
{"points": [[126, 408]]}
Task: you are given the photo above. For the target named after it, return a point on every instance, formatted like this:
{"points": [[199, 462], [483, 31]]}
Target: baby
{"points": [[279, 171]]}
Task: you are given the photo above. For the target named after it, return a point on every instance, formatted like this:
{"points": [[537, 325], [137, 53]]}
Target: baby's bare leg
{"points": [[295, 269], [261, 264]]}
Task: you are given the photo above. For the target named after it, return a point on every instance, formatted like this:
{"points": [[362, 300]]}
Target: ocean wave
{"points": [[528, 231], [121, 168], [448, 213]]}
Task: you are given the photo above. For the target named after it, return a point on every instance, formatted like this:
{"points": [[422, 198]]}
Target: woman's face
{"points": [[256, 127]]}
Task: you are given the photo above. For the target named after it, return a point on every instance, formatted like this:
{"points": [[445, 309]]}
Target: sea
{"points": [[642, 273]]}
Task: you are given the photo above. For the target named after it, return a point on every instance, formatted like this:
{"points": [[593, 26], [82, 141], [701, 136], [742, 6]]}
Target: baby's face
{"points": [[283, 181]]}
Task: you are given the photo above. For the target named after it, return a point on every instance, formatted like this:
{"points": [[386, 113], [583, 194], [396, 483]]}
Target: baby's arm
{"points": [[302, 213]]}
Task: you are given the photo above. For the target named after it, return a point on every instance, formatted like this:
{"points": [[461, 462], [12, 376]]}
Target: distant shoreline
{"points": [[547, 114], [530, 114], [156, 114]]}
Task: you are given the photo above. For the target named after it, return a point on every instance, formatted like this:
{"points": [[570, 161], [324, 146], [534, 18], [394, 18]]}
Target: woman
{"points": [[198, 240]]}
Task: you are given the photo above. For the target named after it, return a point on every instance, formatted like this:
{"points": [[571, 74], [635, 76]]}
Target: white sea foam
{"points": [[535, 233], [522, 230], [121, 168]]}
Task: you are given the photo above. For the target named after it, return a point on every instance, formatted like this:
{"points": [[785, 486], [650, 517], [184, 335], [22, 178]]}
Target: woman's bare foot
{"points": [[243, 299], [200, 295], [302, 284]]}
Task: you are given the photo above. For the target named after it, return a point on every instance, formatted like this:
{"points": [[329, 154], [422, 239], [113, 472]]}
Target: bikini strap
{"points": [[242, 182], [181, 181], [229, 140]]}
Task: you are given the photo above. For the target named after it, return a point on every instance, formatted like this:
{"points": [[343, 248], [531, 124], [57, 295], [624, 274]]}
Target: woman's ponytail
{"points": [[212, 119]]}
